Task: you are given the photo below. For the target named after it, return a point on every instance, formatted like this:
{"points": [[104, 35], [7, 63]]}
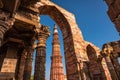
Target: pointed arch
{"points": [[72, 36]]}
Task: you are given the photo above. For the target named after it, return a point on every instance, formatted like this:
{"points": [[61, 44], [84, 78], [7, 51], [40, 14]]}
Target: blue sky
{"points": [[92, 20]]}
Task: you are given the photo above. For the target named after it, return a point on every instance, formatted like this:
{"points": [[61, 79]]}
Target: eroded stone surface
{"points": [[114, 12], [84, 61]]}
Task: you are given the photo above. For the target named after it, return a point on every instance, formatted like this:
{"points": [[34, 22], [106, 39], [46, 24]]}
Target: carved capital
{"points": [[42, 36], [44, 30], [6, 20], [107, 50]]}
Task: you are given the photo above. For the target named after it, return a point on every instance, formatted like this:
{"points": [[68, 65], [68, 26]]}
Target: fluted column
{"points": [[106, 54], [5, 24], [28, 64], [41, 53]]}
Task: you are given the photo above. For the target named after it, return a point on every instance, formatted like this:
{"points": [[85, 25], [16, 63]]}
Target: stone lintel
{"points": [[6, 75], [14, 40], [21, 18]]}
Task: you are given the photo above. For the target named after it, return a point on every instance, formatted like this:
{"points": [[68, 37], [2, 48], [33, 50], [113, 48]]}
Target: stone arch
{"points": [[72, 36], [93, 65]]}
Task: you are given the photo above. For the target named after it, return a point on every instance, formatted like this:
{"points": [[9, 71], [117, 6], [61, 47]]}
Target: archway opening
{"points": [[65, 29], [46, 20]]}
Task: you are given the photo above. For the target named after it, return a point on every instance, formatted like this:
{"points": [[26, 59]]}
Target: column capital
{"points": [[107, 50], [44, 33]]}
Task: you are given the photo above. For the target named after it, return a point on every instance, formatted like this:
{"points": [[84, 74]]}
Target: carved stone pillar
{"points": [[106, 54], [21, 65], [111, 68], [99, 60], [41, 53], [5, 24], [116, 64], [28, 64]]}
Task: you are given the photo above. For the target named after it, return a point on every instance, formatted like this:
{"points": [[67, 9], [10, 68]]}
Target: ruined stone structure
{"points": [[57, 72], [20, 27], [111, 52], [114, 12]]}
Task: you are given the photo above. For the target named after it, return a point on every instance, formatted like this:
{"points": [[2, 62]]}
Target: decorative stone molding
{"points": [[107, 50], [6, 22], [42, 36]]}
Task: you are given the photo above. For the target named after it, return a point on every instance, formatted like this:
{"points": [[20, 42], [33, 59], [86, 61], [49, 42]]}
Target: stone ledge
{"points": [[6, 76]]}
